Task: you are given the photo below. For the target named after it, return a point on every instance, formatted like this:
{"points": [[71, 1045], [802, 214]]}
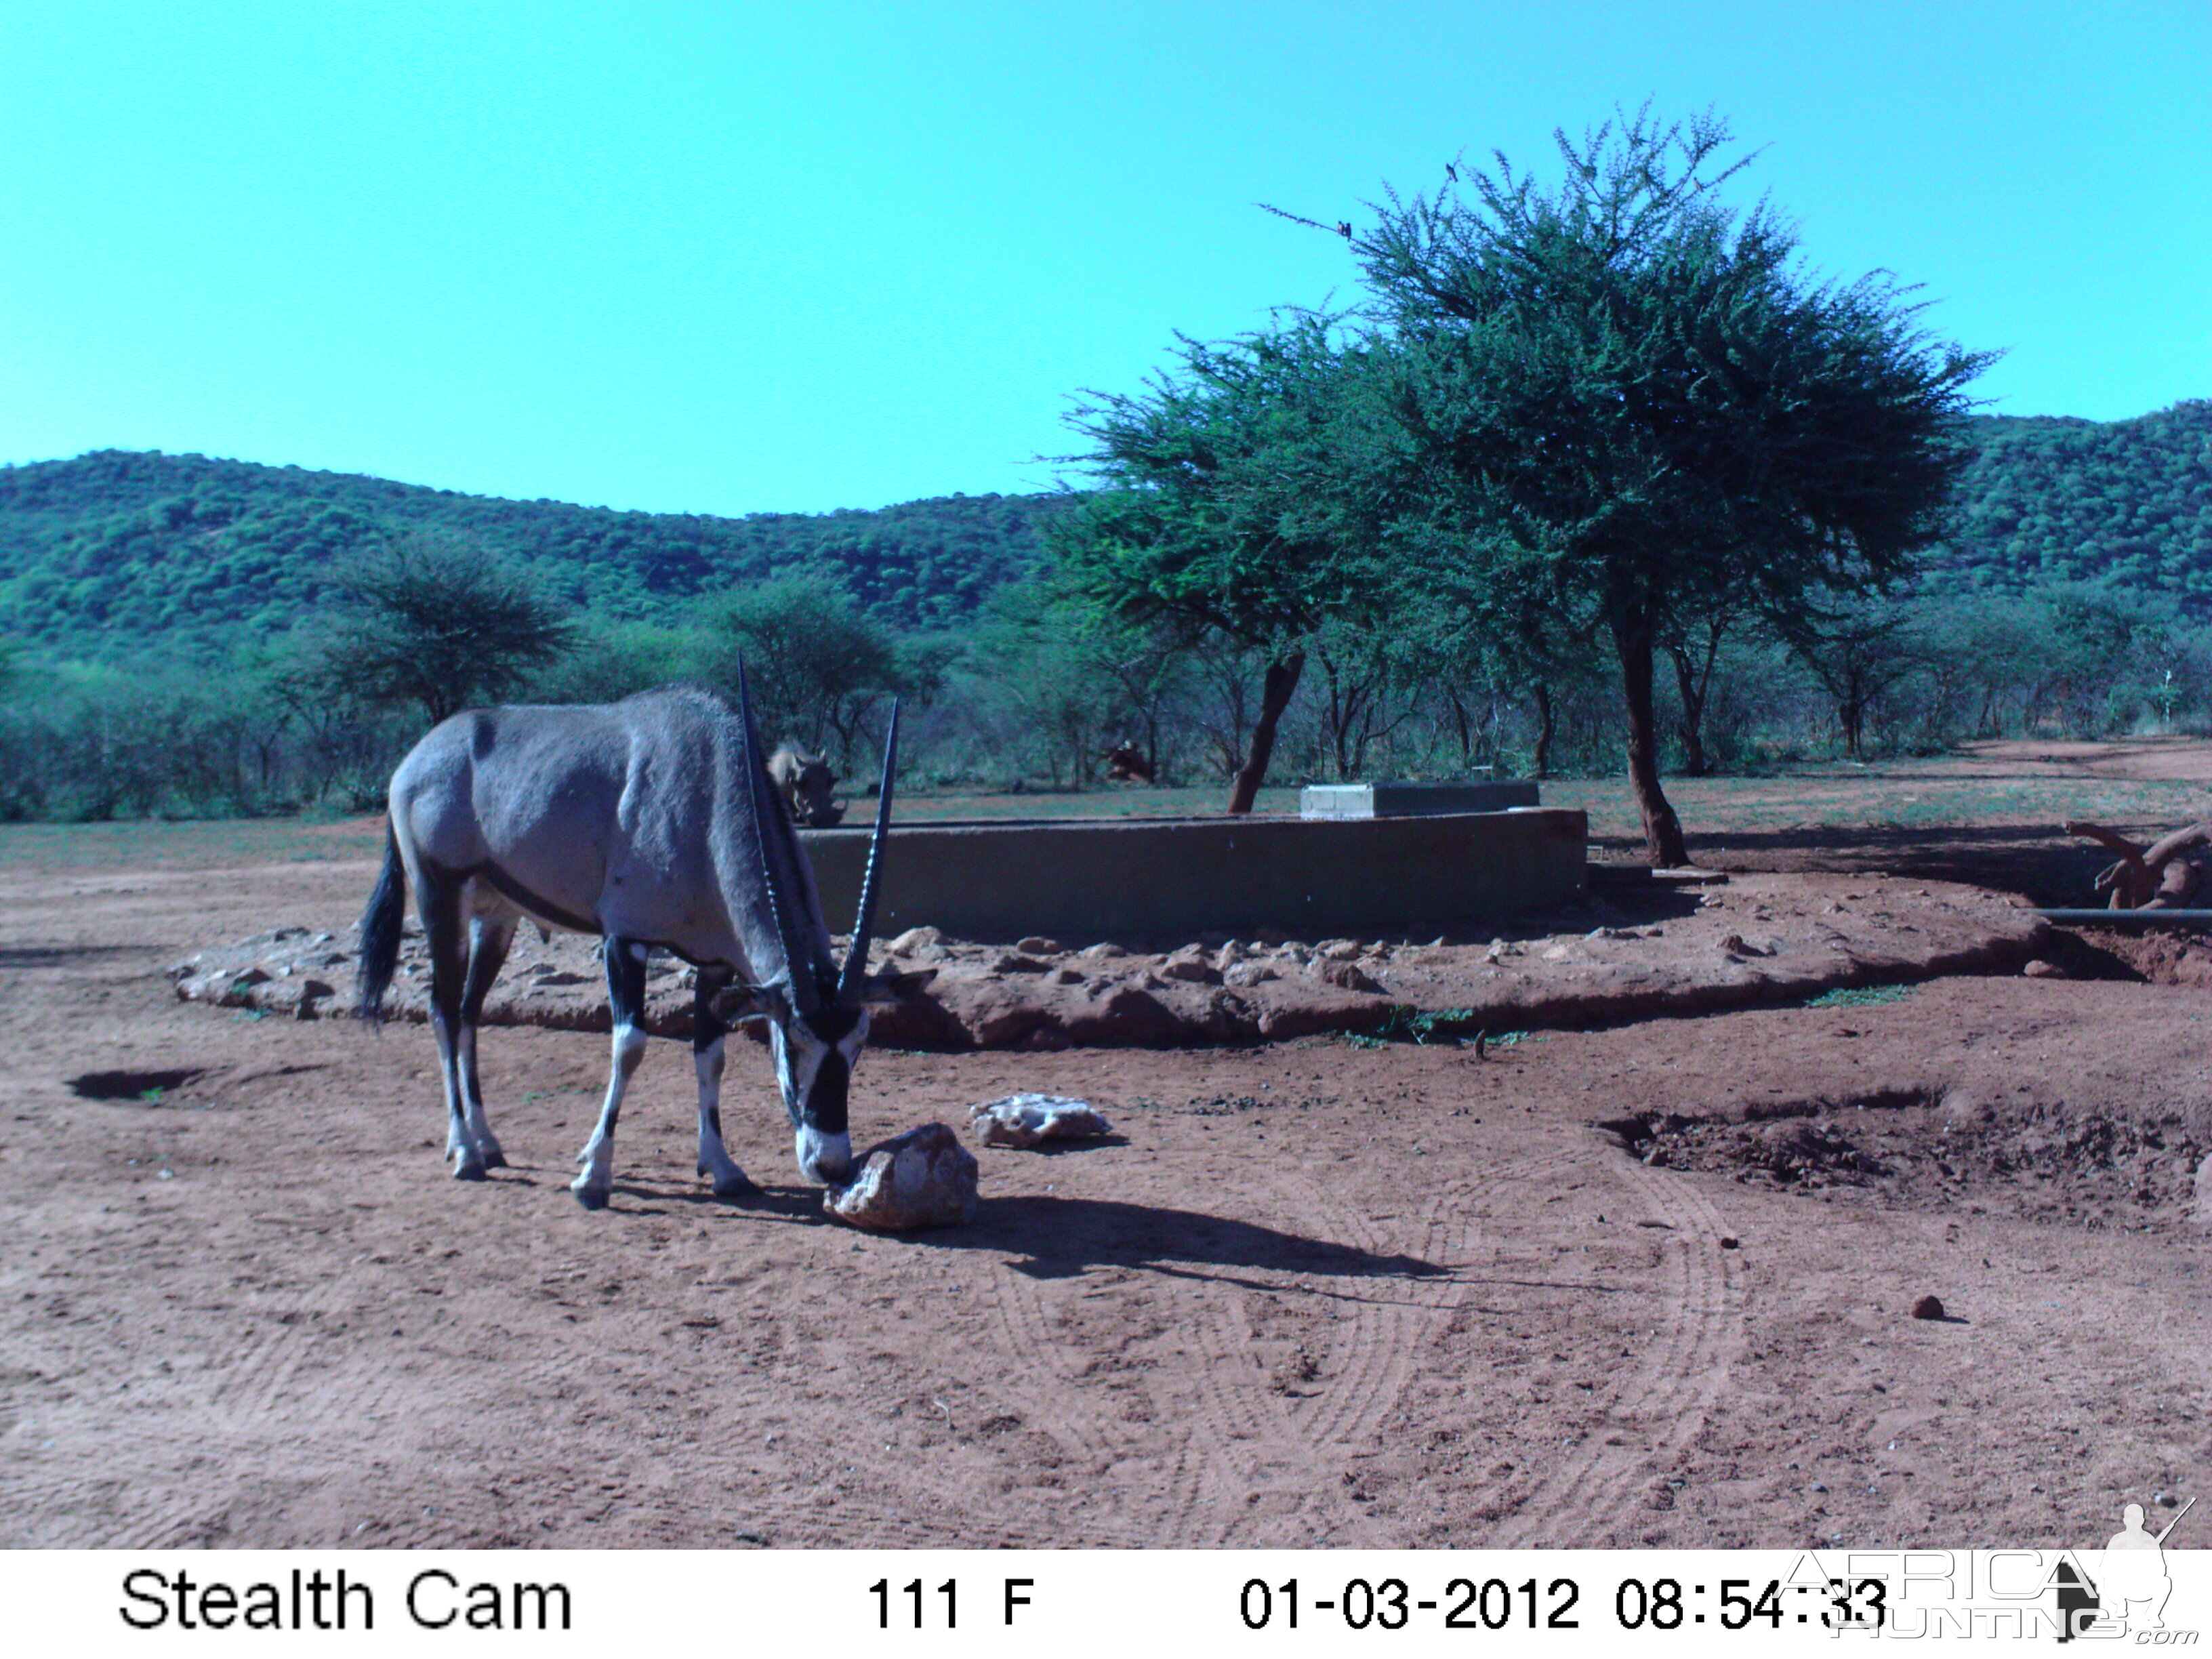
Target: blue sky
{"points": [[733, 258]]}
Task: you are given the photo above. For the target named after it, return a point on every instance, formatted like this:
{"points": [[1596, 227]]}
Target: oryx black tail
{"points": [[380, 925]]}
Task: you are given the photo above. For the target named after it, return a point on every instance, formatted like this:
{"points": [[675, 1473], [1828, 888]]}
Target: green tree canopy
{"points": [[433, 620], [1232, 505], [1631, 412], [818, 665]]}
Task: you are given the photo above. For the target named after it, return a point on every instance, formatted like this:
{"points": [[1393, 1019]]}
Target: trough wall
{"points": [[1156, 877]]}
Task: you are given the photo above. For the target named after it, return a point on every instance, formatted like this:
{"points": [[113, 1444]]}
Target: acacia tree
{"points": [[433, 620], [1862, 651], [820, 665], [1228, 508], [1633, 413]]}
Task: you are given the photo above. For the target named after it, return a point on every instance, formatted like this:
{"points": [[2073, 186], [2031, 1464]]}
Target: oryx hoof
{"points": [[592, 1198], [469, 1169], [495, 1159], [735, 1184]]}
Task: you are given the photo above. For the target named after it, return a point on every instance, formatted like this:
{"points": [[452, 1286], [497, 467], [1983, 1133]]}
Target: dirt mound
{"points": [[1634, 950], [2141, 957]]}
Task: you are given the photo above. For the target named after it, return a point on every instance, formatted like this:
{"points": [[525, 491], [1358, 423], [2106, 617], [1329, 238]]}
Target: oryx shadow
{"points": [[1046, 1237], [1049, 1237]]}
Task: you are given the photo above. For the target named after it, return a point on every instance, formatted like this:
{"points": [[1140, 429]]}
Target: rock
{"points": [[2037, 968], [1928, 1308], [1026, 1120], [1248, 974], [1037, 946], [1190, 964], [915, 939], [1122, 1015], [1019, 964], [1339, 950], [1349, 975], [1105, 951], [923, 1178]]}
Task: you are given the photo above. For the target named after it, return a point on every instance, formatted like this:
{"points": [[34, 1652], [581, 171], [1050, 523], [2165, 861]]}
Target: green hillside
{"points": [[101, 556], [2053, 499], [100, 553]]}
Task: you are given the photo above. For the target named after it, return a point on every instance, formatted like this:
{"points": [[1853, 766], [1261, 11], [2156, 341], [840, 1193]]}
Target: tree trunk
{"points": [[1850, 713], [1695, 685], [1280, 681], [1662, 830], [1546, 723], [1466, 738]]}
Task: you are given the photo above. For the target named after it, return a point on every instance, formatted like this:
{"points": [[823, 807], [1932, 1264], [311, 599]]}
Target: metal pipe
{"points": [[2137, 920]]}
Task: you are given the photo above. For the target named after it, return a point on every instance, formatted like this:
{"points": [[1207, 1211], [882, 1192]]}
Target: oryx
{"points": [[652, 822]]}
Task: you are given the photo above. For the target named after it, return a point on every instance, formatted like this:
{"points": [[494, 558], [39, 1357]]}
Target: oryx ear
{"points": [[744, 1002], [892, 987]]}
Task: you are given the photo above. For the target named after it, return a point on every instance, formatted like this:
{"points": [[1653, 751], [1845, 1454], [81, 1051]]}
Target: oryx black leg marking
{"points": [[489, 939], [626, 999], [438, 901], [708, 1034]]}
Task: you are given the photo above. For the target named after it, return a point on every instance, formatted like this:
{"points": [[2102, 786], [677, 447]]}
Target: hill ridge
{"points": [[104, 552]]}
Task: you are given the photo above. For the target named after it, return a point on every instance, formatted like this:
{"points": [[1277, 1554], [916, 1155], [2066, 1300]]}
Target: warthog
{"points": [[804, 784], [1126, 763]]}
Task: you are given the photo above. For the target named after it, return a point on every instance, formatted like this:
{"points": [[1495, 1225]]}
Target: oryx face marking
{"points": [[815, 1055]]}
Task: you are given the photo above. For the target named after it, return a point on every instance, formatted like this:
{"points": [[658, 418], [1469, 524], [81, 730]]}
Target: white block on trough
{"points": [[1408, 801]]}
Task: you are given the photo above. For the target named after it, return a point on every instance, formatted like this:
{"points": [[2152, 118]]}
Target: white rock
{"points": [[1026, 1120]]}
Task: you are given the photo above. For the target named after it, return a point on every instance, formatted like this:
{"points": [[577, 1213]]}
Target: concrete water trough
{"points": [[1313, 878]]}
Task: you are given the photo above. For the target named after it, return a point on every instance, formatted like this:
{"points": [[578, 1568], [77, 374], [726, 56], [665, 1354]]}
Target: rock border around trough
{"points": [[1755, 940]]}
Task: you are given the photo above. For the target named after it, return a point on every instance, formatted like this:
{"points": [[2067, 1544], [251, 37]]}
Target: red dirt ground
{"points": [[1646, 1283]]}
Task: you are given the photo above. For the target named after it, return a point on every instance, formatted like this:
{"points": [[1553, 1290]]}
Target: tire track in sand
{"points": [[1669, 1395], [269, 1412], [1251, 1463], [1056, 1383]]}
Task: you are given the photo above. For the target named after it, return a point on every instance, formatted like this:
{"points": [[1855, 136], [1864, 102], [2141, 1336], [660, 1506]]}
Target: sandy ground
{"points": [[1646, 1283]]}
